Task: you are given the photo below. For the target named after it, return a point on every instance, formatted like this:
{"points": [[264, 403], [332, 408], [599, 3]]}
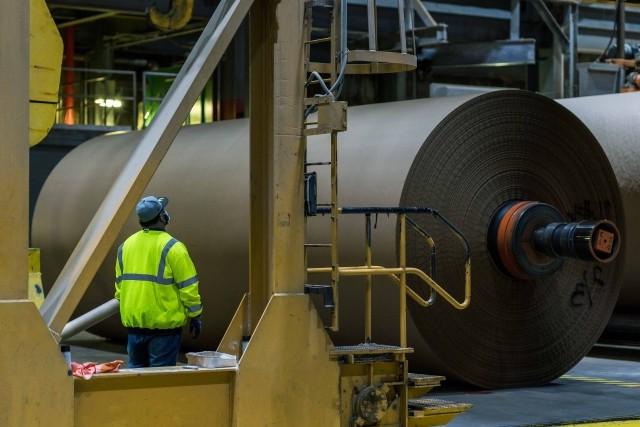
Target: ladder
{"points": [[375, 385], [331, 119]]}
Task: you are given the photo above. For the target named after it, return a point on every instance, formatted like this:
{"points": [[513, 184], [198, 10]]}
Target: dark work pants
{"points": [[153, 350]]}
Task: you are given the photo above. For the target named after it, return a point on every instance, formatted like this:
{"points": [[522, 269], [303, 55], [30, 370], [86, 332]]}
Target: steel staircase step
{"points": [[434, 412], [368, 352], [421, 384], [369, 348], [422, 380]]}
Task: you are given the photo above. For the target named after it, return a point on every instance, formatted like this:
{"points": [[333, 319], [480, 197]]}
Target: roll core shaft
{"points": [[529, 239]]}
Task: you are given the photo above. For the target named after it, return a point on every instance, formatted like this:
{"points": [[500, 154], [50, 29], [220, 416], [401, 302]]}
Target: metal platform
{"points": [[422, 380], [420, 384], [597, 389], [371, 348], [368, 352], [425, 404]]}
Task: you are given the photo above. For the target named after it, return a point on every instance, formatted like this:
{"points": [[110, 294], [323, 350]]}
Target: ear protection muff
{"points": [[165, 217]]}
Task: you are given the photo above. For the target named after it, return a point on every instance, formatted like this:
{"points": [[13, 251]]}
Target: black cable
{"points": [[613, 34]]}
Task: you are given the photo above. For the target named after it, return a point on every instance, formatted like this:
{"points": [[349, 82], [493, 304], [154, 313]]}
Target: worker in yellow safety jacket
{"points": [[157, 286]]}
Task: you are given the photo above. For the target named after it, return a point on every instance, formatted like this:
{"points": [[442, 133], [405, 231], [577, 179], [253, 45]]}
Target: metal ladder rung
{"points": [[318, 164], [318, 245]]}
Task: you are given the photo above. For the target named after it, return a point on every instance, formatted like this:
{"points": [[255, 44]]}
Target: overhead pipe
{"points": [[177, 17]]}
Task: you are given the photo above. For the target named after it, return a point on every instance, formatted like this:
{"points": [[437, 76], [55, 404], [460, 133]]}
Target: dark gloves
{"points": [[195, 326]]}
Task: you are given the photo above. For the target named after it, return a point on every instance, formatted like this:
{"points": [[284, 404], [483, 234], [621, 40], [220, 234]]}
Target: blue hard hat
{"points": [[150, 207]]}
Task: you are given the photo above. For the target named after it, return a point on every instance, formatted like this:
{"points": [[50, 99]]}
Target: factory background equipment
{"points": [[118, 66], [465, 157], [374, 386], [547, 241]]}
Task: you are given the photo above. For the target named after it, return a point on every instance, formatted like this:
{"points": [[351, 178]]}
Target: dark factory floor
{"points": [[600, 388], [597, 389]]}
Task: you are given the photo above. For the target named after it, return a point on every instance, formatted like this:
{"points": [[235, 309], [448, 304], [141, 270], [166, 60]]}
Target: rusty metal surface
{"points": [[463, 156]]}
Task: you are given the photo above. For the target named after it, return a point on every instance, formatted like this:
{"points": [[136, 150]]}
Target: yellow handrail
{"points": [[376, 270], [397, 274]]}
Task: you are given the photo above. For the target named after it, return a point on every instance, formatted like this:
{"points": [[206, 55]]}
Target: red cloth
{"points": [[86, 370]]}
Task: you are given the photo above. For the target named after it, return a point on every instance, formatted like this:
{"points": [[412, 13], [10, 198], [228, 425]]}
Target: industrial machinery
{"points": [[307, 380], [537, 191], [468, 158]]}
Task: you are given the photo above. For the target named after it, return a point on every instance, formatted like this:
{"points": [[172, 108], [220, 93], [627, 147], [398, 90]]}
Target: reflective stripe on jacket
{"points": [[156, 282]]}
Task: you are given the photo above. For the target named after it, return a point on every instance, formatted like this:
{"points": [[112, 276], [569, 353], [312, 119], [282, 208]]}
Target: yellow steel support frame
{"points": [[261, 69], [31, 365], [14, 160], [277, 152], [231, 342], [36, 387], [286, 377], [287, 210], [287, 361], [35, 290], [171, 396]]}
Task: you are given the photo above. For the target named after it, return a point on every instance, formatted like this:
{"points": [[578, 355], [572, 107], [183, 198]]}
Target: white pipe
{"points": [[90, 318]]}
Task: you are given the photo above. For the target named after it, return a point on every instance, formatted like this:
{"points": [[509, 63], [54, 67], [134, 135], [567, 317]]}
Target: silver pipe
{"points": [[514, 30], [373, 24], [91, 318], [401, 23]]}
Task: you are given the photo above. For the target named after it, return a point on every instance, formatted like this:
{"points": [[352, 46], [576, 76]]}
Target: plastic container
{"points": [[211, 359]]}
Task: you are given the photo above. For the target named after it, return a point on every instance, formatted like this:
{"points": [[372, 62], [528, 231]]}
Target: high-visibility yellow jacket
{"points": [[156, 282]]}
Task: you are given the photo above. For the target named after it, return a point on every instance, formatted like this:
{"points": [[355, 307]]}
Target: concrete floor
{"points": [[597, 389]]}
